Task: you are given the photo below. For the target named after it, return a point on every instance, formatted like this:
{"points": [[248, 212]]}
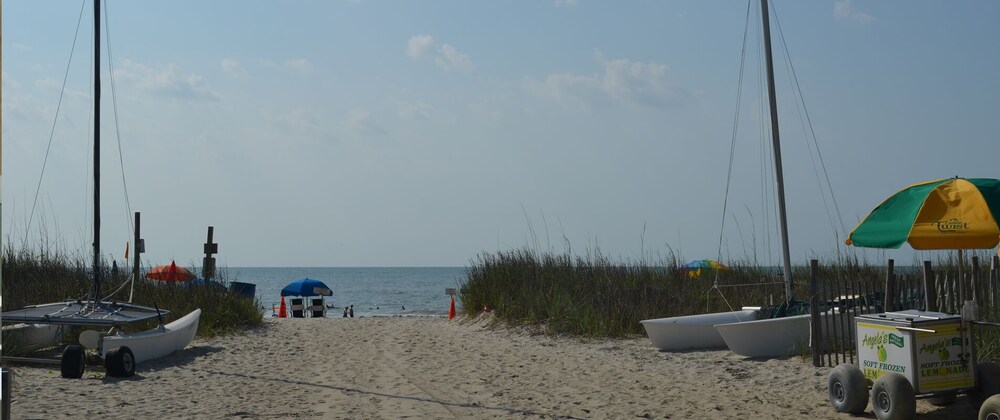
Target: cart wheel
{"points": [[848, 389], [893, 397], [990, 409], [987, 381], [73, 361], [943, 399], [120, 362]]}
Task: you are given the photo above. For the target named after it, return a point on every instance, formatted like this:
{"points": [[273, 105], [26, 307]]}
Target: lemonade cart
{"points": [[909, 354]]}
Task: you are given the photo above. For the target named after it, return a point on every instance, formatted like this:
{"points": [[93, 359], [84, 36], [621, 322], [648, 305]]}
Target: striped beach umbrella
{"points": [[695, 268], [952, 213]]}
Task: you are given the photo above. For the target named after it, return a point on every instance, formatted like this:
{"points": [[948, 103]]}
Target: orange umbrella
{"points": [[170, 273]]}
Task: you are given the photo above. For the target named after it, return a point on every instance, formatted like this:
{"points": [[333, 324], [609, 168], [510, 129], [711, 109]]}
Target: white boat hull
{"points": [[776, 337], [157, 342], [31, 337], [693, 332]]}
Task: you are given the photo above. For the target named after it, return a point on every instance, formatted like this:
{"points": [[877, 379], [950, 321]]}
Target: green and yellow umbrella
{"points": [[952, 213]]}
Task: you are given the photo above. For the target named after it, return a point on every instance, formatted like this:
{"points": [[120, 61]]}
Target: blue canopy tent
{"points": [[306, 287]]}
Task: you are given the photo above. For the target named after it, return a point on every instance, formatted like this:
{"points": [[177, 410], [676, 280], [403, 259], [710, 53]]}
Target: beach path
{"points": [[434, 368]]}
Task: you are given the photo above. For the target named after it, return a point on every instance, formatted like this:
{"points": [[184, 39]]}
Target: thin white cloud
{"points": [[167, 81], [361, 122], [565, 3], [844, 10], [301, 65], [450, 59], [620, 80], [419, 45], [234, 69], [446, 56], [299, 119], [414, 109]]}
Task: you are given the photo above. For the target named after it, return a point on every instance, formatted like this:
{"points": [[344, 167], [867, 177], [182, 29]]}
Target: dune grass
{"points": [[597, 297], [35, 277], [594, 296]]}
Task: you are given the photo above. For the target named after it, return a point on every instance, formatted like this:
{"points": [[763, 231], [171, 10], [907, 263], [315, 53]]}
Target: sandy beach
{"points": [[433, 368]]}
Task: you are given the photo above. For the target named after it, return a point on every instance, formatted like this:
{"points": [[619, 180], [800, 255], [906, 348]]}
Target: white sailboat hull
{"points": [[776, 337], [693, 332], [157, 342], [31, 337]]}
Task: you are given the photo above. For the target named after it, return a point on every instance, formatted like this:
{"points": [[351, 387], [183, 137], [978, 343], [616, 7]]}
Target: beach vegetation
{"points": [[592, 295], [36, 276]]}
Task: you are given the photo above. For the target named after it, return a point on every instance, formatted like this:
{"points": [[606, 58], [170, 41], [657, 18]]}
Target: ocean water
{"points": [[374, 291]]}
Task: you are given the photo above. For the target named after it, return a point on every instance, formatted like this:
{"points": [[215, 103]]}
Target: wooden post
{"points": [[890, 286], [816, 338], [994, 274], [974, 278], [139, 248], [930, 288], [208, 264]]}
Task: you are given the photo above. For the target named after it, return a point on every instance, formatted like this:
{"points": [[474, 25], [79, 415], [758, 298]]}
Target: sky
{"points": [[403, 133]]}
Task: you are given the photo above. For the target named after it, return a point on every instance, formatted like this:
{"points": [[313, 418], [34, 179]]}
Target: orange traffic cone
{"points": [[282, 312], [451, 309]]}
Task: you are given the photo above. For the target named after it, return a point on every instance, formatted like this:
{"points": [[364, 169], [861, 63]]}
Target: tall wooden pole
{"points": [[776, 145], [97, 151], [138, 249]]}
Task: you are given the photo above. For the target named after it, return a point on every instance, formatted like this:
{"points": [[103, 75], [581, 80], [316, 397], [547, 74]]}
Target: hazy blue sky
{"points": [[421, 133]]}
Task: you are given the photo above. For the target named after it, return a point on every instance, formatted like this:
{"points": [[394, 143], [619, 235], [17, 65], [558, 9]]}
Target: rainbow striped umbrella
{"points": [[695, 268], [952, 213]]}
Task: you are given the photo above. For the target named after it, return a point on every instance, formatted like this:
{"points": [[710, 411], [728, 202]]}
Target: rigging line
{"points": [[799, 106], [812, 131], [732, 144], [52, 131], [767, 184], [118, 136]]}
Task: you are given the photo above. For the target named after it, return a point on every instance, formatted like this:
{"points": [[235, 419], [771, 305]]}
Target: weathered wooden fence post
{"points": [[208, 264], [930, 288], [973, 286], [140, 247], [890, 286], [816, 338]]}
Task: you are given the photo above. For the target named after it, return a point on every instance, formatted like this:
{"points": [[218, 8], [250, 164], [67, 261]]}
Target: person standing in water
{"points": [[351, 311]]}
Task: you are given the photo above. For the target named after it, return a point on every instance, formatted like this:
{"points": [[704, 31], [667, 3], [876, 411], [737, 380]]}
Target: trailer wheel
{"points": [[893, 397], [73, 361], [848, 389], [120, 362], [987, 381], [990, 409]]}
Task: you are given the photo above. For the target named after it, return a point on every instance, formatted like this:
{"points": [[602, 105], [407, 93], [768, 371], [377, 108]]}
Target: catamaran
{"points": [[119, 350]]}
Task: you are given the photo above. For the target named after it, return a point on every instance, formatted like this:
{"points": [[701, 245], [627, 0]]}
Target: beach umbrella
{"points": [[695, 268], [170, 273], [306, 287], [952, 213]]}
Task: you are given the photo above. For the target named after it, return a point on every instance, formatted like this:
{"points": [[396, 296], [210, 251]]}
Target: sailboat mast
{"points": [[97, 151], [776, 145]]}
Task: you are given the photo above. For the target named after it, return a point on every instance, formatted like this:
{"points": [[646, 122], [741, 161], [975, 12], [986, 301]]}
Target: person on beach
{"points": [[351, 312], [345, 312]]}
